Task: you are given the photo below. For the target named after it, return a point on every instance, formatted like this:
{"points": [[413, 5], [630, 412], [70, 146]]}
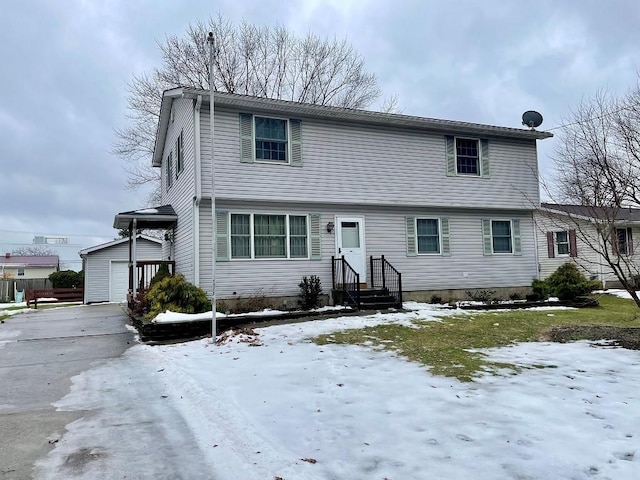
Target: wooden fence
{"points": [[10, 286]]}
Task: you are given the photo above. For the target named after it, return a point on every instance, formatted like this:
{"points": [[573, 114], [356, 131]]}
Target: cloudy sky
{"points": [[66, 64]]}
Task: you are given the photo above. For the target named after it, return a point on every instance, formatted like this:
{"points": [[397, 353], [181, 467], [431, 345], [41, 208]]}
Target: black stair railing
{"points": [[386, 277], [346, 280]]}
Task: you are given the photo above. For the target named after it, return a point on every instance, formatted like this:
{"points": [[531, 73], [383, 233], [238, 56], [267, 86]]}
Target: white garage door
{"points": [[119, 281]]}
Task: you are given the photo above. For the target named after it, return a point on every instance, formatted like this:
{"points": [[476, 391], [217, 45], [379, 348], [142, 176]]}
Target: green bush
{"points": [[540, 289], [567, 283], [176, 294], [67, 279], [310, 291], [161, 274]]}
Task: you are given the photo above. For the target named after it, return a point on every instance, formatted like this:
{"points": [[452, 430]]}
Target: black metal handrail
{"points": [[346, 280], [385, 276]]}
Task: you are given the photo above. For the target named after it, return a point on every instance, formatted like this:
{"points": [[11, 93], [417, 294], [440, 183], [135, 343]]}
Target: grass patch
{"points": [[14, 308], [445, 346]]}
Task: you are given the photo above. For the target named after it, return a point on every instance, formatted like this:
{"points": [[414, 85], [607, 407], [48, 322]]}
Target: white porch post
{"points": [[135, 254]]}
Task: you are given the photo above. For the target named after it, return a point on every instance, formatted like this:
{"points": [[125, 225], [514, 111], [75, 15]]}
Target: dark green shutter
{"points": [[446, 243], [484, 152], [296, 142], [412, 241], [486, 237], [517, 242], [222, 236], [450, 149], [315, 223], [246, 138]]}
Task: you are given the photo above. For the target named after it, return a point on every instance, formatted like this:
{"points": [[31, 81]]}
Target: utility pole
{"points": [[214, 230]]}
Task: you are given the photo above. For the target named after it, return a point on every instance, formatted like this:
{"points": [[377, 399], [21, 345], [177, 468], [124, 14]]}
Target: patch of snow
{"points": [[616, 292], [147, 210], [13, 304]]}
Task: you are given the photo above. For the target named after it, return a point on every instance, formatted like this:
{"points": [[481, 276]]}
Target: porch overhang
{"points": [[155, 218]]}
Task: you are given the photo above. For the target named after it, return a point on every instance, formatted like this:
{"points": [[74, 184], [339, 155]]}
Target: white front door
{"points": [[350, 243]]}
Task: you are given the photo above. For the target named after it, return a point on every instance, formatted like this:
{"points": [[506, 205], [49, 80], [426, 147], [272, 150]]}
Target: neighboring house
{"points": [[449, 204], [106, 267], [28, 266], [582, 234]]}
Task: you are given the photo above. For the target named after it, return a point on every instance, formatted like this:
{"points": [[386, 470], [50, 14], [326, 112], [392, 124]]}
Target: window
{"points": [[271, 139], [428, 235], [269, 236], [624, 241], [169, 170], [467, 157], [179, 154], [21, 271], [562, 243], [501, 236]]}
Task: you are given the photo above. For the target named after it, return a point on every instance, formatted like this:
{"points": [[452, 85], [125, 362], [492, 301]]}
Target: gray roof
{"points": [[623, 214], [30, 260], [118, 241], [153, 218], [305, 110]]}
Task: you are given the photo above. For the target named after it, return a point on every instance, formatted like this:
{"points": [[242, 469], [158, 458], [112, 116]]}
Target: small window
{"points": [[271, 139], [501, 236], [467, 156], [562, 243], [169, 170], [624, 241], [240, 236], [298, 236], [179, 154], [428, 235], [21, 271]]}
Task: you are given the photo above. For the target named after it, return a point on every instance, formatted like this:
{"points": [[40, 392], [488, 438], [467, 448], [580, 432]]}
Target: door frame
{"points": [[338, 241]]}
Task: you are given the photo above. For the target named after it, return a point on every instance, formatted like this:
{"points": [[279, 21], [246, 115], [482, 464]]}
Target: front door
{"points": [[350, 243]]}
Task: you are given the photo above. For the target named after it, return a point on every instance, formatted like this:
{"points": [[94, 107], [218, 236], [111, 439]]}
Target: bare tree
{"points": [[249, 60], [33, 252], [597, 168]]}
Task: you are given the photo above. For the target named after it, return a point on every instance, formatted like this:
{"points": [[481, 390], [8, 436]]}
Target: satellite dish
{"points": [[531, 119]]}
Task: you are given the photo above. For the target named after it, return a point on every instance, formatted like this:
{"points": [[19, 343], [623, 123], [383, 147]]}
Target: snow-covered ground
{"points": [[280, 406]]}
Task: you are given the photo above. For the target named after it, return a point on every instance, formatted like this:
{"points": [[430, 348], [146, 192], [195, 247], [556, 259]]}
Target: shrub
{"points": [[540, 289], [310, 291], [253, 303], [161, 274], [67, 279], [567, 283], [176, 294], [435, 299], [515, 296], [484, 296]]}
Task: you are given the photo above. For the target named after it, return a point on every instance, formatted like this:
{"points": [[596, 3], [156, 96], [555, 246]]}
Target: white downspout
{"points": [[135, 254], [198, 198]]}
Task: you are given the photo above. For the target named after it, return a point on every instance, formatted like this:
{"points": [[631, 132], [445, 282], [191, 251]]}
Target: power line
{"points": [[597, 117], [31, 232]]}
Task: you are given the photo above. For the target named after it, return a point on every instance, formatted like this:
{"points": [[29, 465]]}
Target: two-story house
{"points": [[449, 204]]}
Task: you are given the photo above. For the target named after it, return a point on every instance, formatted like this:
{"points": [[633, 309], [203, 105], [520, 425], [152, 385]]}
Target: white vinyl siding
{"points": [[338, 156]]}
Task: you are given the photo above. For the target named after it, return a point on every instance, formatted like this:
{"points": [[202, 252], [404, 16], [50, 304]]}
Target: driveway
{"points": [[56, 422]]}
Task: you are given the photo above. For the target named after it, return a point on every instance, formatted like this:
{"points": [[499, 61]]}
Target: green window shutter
{"points": [[486, 237], [412, 241], [450, 146], [296, 142], [246, 138], [446, 243], [517, 243], [316, 236], [222, 236], [484, 152]]}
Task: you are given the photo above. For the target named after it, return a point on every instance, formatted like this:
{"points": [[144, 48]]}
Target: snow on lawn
{"points": [[617, 292], [290, 408]]}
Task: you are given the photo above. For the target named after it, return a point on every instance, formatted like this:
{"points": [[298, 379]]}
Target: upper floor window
{"points": [[467, 157], [271, 139], [179, 154], [169, 170]]}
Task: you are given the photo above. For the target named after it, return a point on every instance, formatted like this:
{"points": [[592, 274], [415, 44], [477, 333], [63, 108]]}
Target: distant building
{"points": [[28, 266]]}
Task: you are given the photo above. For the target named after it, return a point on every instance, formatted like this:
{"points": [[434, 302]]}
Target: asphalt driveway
{"points": [[43, 355]]}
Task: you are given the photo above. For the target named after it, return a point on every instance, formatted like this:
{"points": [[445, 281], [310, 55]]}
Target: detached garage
{"points": [[106, 267]]}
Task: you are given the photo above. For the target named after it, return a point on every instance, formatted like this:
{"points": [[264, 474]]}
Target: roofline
{"points": [[323, 111], [117, 242], [578, 216]]}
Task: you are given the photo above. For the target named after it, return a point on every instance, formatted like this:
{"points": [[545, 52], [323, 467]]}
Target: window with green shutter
{"points": [[270, 140]]}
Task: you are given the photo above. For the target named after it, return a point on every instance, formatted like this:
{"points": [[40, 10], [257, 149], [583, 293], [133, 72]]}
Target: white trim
{"points": [[556, 243], [455, 155], [439, 253], [117, 242], [363, 245], [287, 235], [253, 143], [510, 220]]}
